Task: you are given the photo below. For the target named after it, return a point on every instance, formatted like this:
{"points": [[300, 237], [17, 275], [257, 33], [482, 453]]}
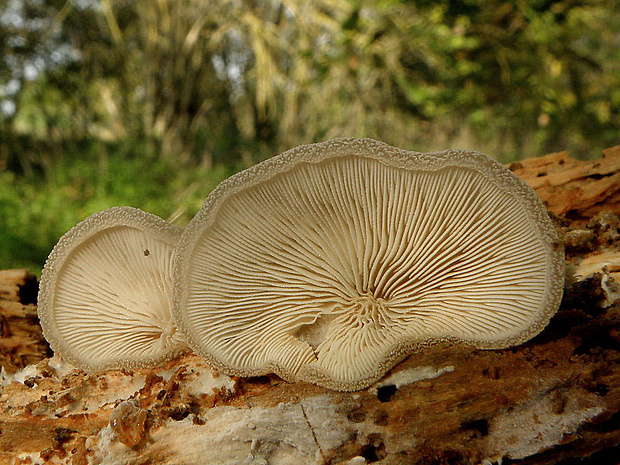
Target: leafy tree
{"points": [[221, 80], [150, 103]]}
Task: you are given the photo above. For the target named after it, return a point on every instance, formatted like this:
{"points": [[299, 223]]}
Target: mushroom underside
{"points": [[328, 268], [106, 295]]}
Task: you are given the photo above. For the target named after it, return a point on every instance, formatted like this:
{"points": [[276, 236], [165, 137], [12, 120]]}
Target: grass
{"points": [[37, 208], [41, 202]]}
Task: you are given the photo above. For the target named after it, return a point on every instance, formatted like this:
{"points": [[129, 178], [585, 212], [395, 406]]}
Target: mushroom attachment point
{"points": [[333, 261], [105, 299]]}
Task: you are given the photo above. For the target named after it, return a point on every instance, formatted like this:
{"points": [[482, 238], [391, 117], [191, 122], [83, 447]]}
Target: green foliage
{"points": [[150, 103], [36, 209], [223, 80]]}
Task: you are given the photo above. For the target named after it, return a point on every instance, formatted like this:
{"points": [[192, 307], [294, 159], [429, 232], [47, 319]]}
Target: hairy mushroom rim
{"points": [[333, 261], [105, 299]]}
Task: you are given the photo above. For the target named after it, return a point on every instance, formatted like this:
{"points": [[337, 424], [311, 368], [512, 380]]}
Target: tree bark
{"points": [[554, 399], [21, 339], [571, 187]]}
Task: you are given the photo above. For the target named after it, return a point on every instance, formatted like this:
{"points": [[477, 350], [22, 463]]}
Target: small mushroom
{"points": [[106, 291], [333, 261]]}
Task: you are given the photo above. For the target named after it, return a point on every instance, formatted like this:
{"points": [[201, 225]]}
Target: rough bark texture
{"points": [[21, 339], [571, 187], [555, 399]]}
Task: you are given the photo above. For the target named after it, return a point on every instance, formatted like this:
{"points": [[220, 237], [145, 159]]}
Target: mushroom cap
{"points": [[333, 261], [105, 298]]}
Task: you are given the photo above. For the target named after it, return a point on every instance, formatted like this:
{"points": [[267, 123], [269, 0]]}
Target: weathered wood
{"points": [[555, 398], [21, 339], [569, 186]]}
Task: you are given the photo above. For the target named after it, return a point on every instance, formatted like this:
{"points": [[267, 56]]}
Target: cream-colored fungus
{"points": [[333, 261], [106, 292]]}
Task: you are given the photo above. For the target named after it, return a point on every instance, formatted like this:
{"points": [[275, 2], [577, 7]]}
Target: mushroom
{"points": [[332, 262], [105, 299]]}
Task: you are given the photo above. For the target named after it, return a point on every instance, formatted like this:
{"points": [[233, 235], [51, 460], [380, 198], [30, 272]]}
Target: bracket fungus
{"points": [[105, 299], [333, 261]]}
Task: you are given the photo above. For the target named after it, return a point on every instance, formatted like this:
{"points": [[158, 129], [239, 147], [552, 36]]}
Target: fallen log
{"points": [[555, 399]]}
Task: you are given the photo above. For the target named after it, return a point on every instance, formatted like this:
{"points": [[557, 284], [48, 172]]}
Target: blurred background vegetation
{"points": [[151, 103]]}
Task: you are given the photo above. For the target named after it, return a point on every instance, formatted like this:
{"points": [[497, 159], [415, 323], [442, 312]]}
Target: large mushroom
{"points": [[105, 299], [333, 261]]}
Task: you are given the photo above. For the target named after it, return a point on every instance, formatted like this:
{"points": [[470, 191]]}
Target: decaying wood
{"points": [[553, 399], [21, 339], [569, 186]]}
